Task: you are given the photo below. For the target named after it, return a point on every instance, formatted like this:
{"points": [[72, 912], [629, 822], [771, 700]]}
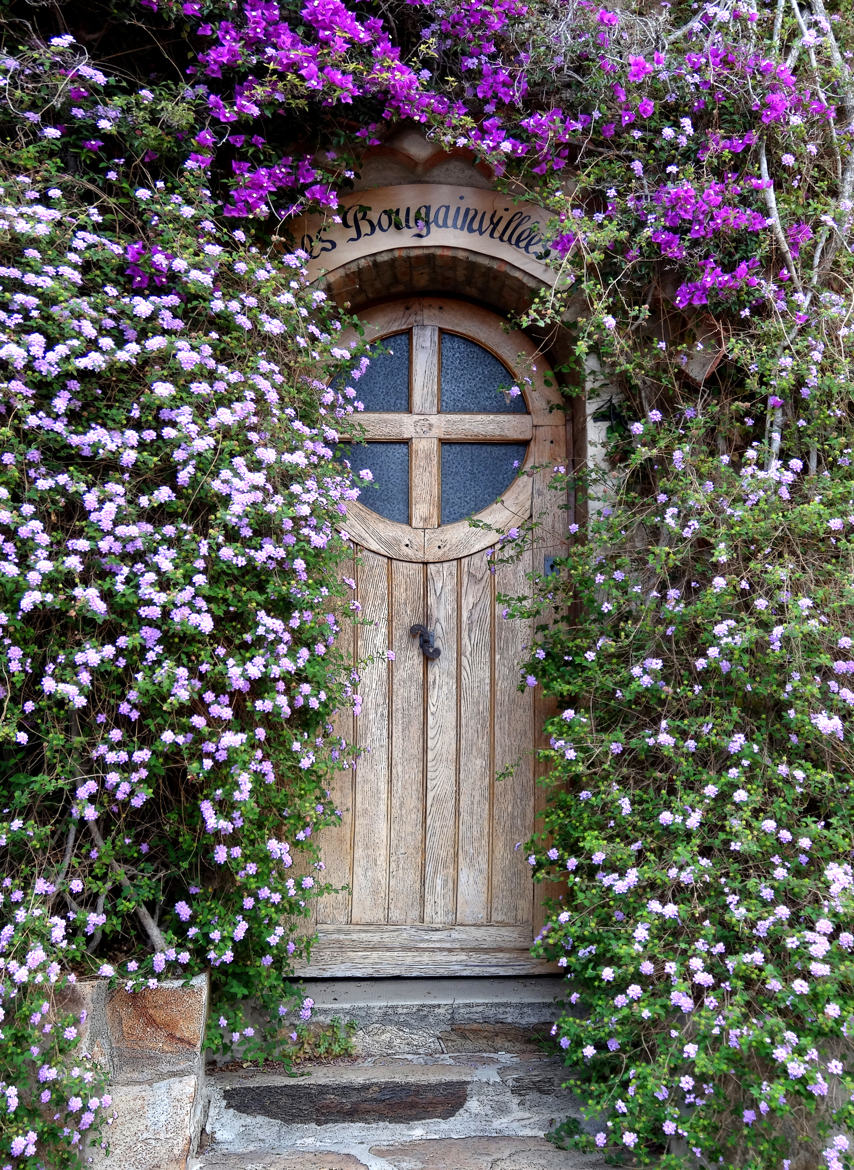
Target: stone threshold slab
{"points": [[484, 1153], [473, 1153], [498, 1097], [336, 993], [404, 1069], [317, 1160], [313, 1103]]}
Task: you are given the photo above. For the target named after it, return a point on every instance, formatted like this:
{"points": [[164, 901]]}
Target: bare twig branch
{"points": [[836, 56], [92, 944], [148, 924], [831, 237], [70, 901], [778, 21], [774, 432], [69, 850], [817, 76], [771, 201]]}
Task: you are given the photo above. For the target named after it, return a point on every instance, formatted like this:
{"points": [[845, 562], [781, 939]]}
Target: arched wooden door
{"points": [[431, 844]]}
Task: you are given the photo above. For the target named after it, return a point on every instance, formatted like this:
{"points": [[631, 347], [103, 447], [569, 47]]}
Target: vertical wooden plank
{"points": [[550, 508], [513, 799], [406, 855], [371, 804], [337, 843], [303, 867], [424, 461], [425, 369], [476, 764], [441, 764]]}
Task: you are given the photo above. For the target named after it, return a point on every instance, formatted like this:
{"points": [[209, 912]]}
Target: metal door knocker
{"points": [[425, 641]]}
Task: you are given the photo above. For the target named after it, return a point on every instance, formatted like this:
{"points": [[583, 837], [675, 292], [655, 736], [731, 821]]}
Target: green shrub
{"points": [[700, 810]]}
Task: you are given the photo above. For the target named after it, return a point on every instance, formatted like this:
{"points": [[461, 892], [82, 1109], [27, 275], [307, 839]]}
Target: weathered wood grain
{"points": [[460, 539], [424, 459], [425, 369], [341, 962], [337, 843], [469, 427], [406, 857], [371, 803], [439, 886], [382, 536], [550, 512], [476, 764], [441, 730], [430, 936], [513, 796]]}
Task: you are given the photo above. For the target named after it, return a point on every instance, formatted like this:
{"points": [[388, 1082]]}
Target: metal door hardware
{"points": [[425, 641]]}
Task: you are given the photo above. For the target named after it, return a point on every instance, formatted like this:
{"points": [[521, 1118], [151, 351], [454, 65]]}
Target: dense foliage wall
{"points": [[169, 510]]}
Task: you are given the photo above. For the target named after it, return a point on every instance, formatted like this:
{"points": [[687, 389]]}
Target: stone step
{"points": [[476, 1153], [454, 1111], [427, 1017]]}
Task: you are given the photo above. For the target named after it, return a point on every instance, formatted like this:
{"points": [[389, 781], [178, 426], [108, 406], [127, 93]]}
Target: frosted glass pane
{"points": [[389, 465], [471, 377], [476, 474], [385, 383]]}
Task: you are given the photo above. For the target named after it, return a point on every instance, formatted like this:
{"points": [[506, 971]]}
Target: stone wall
{"points": [[150, 1043]]}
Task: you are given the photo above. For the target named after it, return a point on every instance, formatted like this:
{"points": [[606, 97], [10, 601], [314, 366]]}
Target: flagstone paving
{"points": [[452, 1111], [449, 1074]]}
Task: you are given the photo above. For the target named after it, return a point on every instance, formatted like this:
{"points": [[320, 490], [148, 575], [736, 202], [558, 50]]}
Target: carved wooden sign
{"points": [[428, 215]]}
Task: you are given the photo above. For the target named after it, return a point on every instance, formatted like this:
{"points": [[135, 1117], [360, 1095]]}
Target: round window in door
{"points": [[455, 409]]}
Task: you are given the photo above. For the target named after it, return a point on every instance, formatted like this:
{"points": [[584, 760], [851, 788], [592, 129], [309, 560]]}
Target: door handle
{"points": [[425, 641]]}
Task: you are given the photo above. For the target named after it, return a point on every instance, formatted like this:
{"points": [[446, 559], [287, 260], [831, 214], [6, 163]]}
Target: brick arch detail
{"points": [[424, 271]]}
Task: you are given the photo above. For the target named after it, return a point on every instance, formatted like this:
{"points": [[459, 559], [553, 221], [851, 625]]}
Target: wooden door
{"points": [[430, 854]]}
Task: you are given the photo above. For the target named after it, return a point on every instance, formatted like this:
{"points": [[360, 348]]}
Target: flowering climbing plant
{"points": [[701, 809], [698, 639], [170, 602], [169, 508]]}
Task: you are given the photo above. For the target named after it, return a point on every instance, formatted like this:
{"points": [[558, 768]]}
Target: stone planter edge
{"points": [[150, 1043]]}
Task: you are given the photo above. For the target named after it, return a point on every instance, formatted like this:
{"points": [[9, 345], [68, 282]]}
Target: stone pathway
{"points": [[449, 1076], [458, 1111], [432, 1154]]}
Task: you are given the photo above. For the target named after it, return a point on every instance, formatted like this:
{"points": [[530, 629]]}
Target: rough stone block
{"points": [[158, 1032], [88, 996], [402, 268], [381, 1040], [366, 1100], [154, 1126], [484, 1153], [315, 1160], [492, 1038]]}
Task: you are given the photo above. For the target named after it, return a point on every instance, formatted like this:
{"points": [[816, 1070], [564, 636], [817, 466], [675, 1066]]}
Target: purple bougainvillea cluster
{"points": [[169, 504]]}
